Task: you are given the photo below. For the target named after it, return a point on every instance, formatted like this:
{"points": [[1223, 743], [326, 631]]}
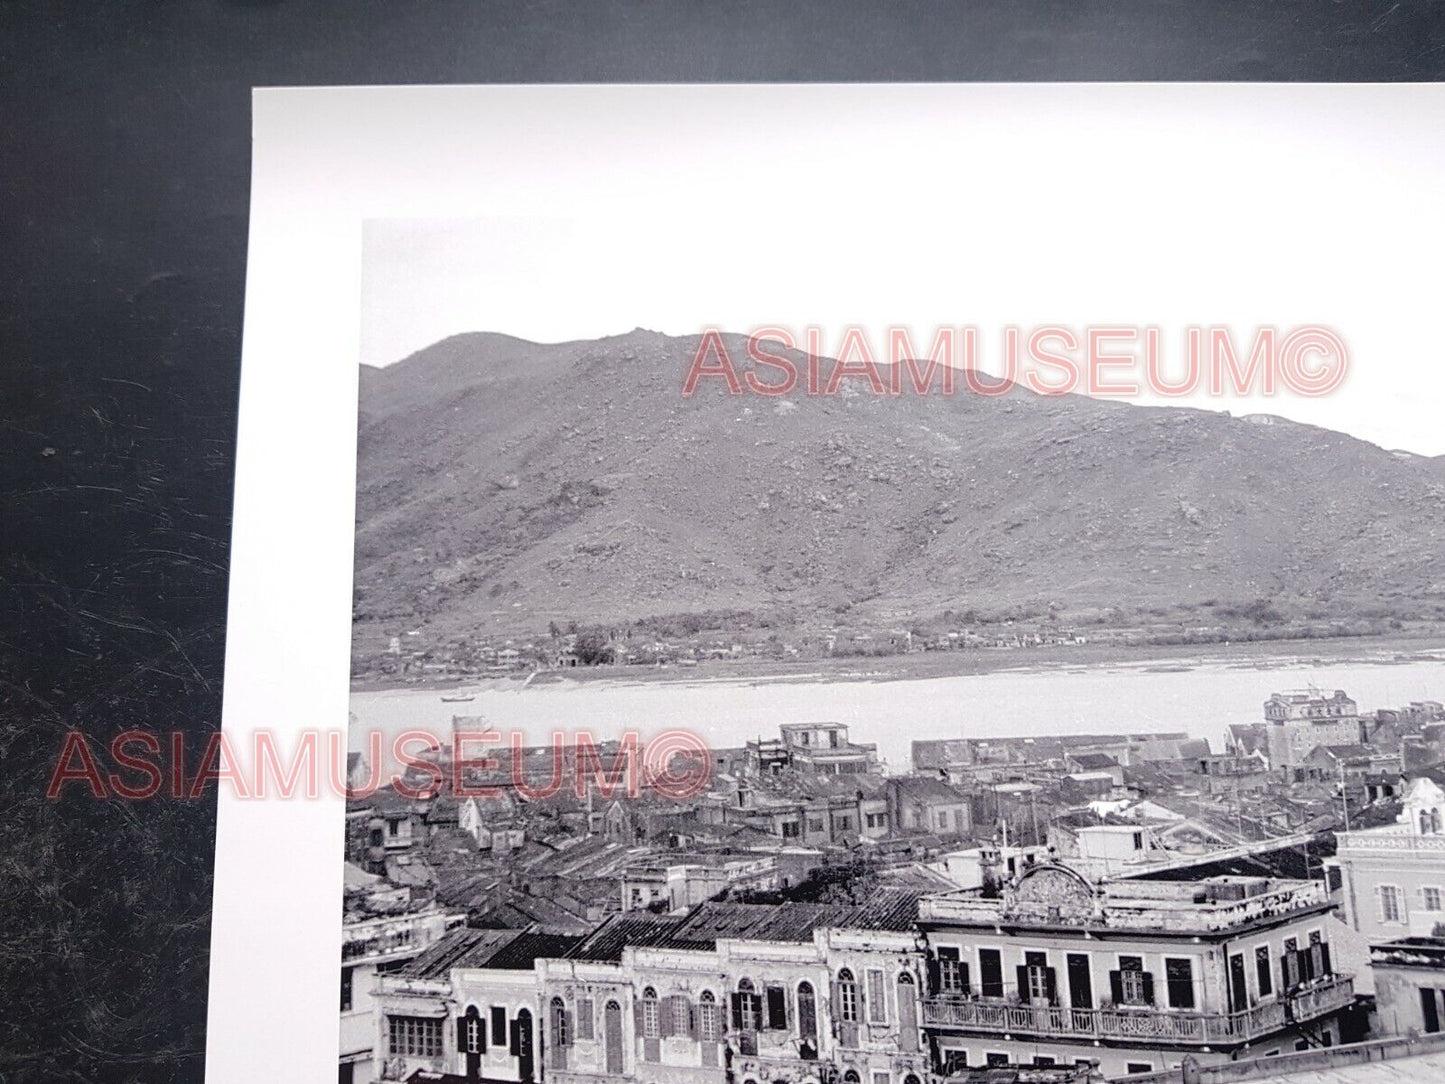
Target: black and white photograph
{"points": [[810, 684], [810, 543]]}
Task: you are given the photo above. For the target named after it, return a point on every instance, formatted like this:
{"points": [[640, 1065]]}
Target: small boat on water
{"points": [[458, 698]]}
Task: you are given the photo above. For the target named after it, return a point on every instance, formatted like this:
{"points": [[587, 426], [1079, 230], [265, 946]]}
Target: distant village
{"points": [[414, 656], [411, 657], [1081, 907]]}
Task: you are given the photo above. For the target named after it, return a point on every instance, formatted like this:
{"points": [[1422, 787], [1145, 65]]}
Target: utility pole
{"points": [[1344, 798]]}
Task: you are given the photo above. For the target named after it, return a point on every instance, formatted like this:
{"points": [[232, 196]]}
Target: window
{"points": [[1179, 978], [499, 1023], [346, 980], [952, 973], [815, 824], [847, 997], [1038, 980], [1289, 965], [943, 818], [470, 1034], [1043, 1061], [790, 829], [747, 1007], [1139, 1067], [651, 1027], [1390, 909], [1131, 984], [807, 1011], [990, 972], [414, 1036], [777, 1004], [584, 1018], [709, 1020], [679, 1015], [561, 1035], [1262, 972], [877, 1000], [877, 820], [1431, 898], [995, 1059], [881, 1078]]}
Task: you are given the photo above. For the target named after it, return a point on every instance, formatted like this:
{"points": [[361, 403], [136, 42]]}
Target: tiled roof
{"points": [[460, 948], [522, 951], [607, 941], [885, 909]]}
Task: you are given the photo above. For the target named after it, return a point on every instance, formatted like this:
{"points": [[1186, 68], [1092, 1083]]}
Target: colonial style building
{"points": [[1134, 975], [382, 931], [1298, 722], [1392, 878], [726, 994]]}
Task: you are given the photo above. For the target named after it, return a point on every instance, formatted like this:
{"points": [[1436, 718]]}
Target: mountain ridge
{"points": [[504, 483]]}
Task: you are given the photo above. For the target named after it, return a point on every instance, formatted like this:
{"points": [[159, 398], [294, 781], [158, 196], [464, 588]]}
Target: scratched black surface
{"points": [[123, 172]]}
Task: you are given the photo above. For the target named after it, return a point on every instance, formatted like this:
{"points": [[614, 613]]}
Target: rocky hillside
{"points": [[503, 483]]}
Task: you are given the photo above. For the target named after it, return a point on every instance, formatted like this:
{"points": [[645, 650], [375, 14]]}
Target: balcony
{"points": [[1142, 1025]]}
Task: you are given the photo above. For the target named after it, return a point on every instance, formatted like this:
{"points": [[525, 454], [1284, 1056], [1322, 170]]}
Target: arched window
{"points": [[650, 1024], [851, 1077], [807, 1011], [560, 1031], [847, 997], [709, 1020], [910, 1079], [470, 1034]]}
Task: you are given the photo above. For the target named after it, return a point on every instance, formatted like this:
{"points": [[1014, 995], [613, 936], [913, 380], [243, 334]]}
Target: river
{"points": [[1198, 696]]}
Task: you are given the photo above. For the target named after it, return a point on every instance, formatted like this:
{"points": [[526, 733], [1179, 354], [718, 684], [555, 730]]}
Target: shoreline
{"points": [[1163, 658]]}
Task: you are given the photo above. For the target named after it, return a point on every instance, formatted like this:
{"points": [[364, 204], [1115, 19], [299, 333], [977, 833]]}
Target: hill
{"points": [[504, 483]]}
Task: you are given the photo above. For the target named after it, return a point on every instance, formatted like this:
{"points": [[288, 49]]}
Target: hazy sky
{"points": [[983, 205]]}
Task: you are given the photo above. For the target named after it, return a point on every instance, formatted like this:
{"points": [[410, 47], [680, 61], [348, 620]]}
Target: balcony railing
{"points": [[1141, 1024]]}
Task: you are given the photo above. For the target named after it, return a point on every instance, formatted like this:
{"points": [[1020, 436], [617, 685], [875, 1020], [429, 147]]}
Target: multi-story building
{"points": [[824, 749], [1298, 722], [726, 994], [382, 931], [1132, 974], [1392, 878]]}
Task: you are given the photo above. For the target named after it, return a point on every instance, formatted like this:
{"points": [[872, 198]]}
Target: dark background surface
{"points": [[124, 162]]}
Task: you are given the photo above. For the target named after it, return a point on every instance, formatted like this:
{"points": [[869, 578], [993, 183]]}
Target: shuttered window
{"points": [[651, 1019], [1179, 977], [584, 1018], [990, 972], [1262, 972], [777, 1006], [709, 1020], [877, 999], [847, 998]]}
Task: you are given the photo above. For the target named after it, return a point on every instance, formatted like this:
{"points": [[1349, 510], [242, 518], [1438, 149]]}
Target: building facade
{"points": [[1134, 975]]}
